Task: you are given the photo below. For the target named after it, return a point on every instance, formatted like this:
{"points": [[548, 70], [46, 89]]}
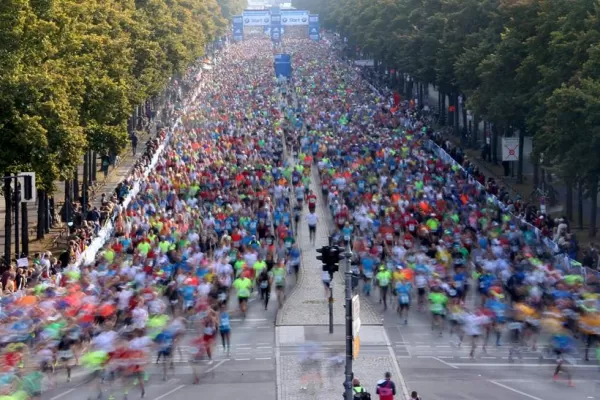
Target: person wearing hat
{"points": [[358, 390]]}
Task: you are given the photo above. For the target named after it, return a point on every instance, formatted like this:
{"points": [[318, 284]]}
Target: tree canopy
{"points": [[73, 70]]}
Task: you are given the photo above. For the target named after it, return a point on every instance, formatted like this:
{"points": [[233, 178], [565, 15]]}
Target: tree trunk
{"points": [[463, 107], [536, 173], [85, 185], [68, 201], [443, 109], [41, 214], [439, 106], [451, 114], [475, 135], [76, 185], [569, 200], [521, 155], [494, 144], [421, 96], [456, 114], [94, 166], [594, 207], [580, 205], [7, 221], [50, 212]]}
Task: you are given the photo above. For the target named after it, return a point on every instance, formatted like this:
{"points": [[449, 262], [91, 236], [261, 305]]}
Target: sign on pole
{"points": [[238, 28], [283, 66], [355, 315], [276, 28], [355, 347], [510, 149], [355, 326], [313, 27]]}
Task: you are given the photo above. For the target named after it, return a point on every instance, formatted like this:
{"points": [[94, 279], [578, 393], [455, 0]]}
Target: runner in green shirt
{"points": [[437, 304], [279, 274], [383, 278], [243, 286]]}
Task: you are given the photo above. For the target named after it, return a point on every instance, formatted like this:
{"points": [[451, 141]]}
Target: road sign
{"points": [[355, 347], [355, 316], [510, 149]]}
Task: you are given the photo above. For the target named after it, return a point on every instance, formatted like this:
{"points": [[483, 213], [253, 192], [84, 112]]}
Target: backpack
{"points": [[364, 395]]}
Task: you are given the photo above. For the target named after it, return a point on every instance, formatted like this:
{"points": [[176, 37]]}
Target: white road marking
{"points": [[170, 392], [214, 367], [263, 358], [63, 394], [519, 365], [445, 363], [515, 390], [396, 365], [242, 359]]}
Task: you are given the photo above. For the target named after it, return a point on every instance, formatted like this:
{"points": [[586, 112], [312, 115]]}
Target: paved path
{"points": [[108, 185], [304, 319]]}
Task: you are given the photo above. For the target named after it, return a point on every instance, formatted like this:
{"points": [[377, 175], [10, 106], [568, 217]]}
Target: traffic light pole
{"points": [[331, 303], [349, 375]]}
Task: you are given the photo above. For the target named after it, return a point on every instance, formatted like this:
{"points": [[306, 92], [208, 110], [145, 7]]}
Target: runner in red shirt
{"points": [[312, 201]]}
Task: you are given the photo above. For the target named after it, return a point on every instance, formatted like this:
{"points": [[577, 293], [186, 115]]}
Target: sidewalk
{"points": [[304, 318], [108, 185]]}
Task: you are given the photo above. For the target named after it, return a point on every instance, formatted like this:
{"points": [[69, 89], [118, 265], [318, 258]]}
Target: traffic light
{"points": [[28, 187], [334, 258], [323, 256], [27, 182]]}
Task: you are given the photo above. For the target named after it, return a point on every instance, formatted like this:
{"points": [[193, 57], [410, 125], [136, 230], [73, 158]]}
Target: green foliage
{"points": [[73, 70], [526, 64]]}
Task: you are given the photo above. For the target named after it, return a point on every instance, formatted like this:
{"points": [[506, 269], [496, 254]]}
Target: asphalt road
{"points": [[248, 372], [438, 369]]}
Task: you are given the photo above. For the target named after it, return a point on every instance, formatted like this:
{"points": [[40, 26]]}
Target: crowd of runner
{"points": [[422, 228], [215, 218]]}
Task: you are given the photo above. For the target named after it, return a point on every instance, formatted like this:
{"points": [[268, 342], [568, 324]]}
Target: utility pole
{"points": [[330, 256], [349, 375]]}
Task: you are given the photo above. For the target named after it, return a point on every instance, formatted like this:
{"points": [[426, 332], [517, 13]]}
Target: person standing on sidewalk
{"points": [[311, 220], [386, 388], [134, 142]]}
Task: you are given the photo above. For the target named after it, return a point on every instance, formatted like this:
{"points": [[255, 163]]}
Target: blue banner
{"points": [[238, 28], [313, 27], [275, 28], [283, 65]]}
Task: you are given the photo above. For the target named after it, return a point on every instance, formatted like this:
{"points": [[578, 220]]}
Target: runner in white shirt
{"points": [[312, 219]]}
